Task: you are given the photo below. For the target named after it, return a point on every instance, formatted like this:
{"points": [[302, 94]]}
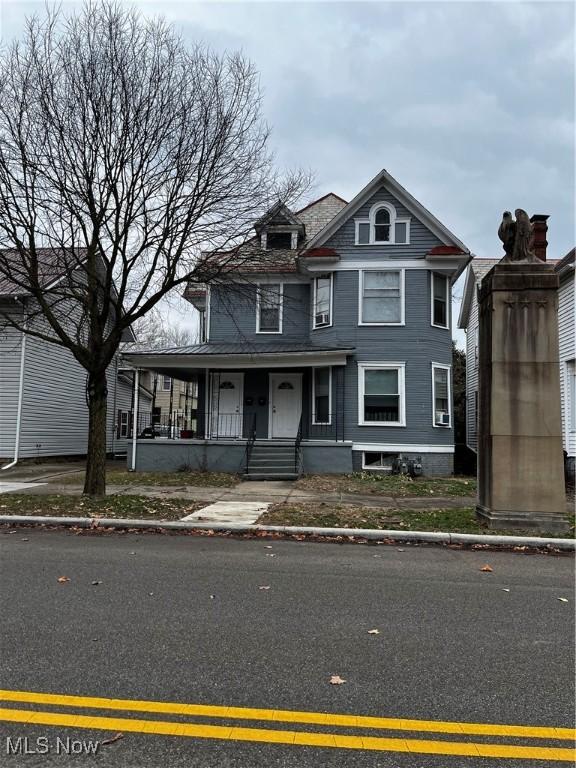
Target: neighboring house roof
{"points": [[53, 264], [385, 179], [477, 269], [565, 262]]}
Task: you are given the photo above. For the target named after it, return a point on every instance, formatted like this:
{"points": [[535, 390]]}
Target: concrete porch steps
{"points": [[271, 461]]}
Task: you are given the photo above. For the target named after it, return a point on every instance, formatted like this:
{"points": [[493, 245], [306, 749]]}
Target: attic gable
{"points": [[416, 209], [278, 216]]}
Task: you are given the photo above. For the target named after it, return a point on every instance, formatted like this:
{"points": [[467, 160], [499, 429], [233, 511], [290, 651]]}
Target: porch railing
{"points": [[328, 426], [250, 443], [215, 426], [298, 450]]}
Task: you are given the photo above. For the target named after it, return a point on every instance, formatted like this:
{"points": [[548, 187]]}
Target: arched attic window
{"points": [[382, 227]]}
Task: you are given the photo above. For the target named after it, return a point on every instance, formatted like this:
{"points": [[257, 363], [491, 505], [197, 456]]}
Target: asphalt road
{"points": [[183, 619]]}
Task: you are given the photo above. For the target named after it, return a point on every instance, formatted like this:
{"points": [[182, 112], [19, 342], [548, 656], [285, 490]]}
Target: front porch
{"points": [[254, 417]]}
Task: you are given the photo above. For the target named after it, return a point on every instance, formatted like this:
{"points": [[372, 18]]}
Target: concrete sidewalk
{"points": [[265, 491]]}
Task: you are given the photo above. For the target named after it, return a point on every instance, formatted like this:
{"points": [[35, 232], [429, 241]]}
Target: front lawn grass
{"points": [[133, 507], [369, 483], [169, 479], [326, 515]]}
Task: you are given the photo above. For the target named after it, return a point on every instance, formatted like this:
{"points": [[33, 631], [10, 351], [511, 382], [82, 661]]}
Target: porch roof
{"points": [[186, 362]]}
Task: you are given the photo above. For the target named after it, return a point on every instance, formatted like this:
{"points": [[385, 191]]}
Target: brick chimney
{"points": [[540, 229]]}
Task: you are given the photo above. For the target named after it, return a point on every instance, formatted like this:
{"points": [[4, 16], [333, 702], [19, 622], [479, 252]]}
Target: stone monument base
{"points": [[543, 522], [520, 461]]}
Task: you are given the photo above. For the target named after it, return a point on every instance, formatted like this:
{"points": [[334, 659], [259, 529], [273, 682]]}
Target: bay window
{"points": [[381, 396], [382, 297]]}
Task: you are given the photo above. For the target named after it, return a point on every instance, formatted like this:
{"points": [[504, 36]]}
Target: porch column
{"points": [[135, 417], [207, 404]]}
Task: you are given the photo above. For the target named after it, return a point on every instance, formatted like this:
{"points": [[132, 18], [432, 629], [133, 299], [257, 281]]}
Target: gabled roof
{"points": [[53, 263], [567, 260], [417, 209], [477, 269], [278, 214]]}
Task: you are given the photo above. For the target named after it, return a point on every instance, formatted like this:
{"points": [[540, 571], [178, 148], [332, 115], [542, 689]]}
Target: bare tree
{"points": [[125, 158]]}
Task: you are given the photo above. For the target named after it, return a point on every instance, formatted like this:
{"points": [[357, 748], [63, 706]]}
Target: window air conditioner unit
{"points": [[323, 318], [442, 418]]}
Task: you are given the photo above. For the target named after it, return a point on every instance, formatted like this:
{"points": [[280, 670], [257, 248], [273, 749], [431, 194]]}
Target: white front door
{"points": [[227, 402], [285, 404]]}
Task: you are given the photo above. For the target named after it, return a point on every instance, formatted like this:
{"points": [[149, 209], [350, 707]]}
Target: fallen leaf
{"points": [[336, 680], [117, 737], [264, 587], [63, 579], [562, 599], [486, 569], [505, 590], [373, 631], [95, 583]]}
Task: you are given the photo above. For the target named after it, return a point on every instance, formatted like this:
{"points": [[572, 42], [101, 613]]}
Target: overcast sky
{"points": [[470, 105]]}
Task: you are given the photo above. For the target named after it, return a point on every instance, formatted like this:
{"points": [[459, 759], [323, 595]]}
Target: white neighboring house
{"points": [[566, 327], [43, 410], [468, 320]]}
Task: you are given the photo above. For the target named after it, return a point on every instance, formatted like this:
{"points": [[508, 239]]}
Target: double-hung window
{"points": [[166, 383], [440, 299], [382, 227], [382, 297], [269, 308], [381, 397], [322, 301], [441, 395], [322, 396]]}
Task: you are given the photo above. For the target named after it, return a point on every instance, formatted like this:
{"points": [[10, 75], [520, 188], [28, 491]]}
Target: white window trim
{"points": [[570, 367], [315, 278], [208, 313], [322, 423], [375, 469], [436, 325], [281, 313], [402, 294], [164, 387], [401, 368], [449, 369], [394, 219]]}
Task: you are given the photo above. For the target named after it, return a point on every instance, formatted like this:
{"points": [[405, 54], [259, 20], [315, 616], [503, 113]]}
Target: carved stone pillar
{"points": [[520, 459]]}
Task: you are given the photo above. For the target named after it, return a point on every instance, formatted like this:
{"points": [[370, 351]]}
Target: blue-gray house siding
{"points": [[416, 344]]}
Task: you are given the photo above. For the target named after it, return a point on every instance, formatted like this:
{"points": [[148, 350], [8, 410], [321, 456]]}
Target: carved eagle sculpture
{"points": [[517, 236], [507, 233]]}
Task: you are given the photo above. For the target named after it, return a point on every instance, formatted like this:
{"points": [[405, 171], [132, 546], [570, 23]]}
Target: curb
{"points": [[289, 530]]}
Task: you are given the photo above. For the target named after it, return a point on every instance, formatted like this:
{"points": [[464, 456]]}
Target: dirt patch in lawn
{"points": [[168, 479], [366, 483], [132, 507], [326, 515]]}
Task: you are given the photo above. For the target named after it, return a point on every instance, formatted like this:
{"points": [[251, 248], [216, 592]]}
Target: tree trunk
{"points": [[95, 482]]}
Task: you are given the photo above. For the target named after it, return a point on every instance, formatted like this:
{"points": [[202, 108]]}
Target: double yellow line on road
{"points": [[306, 738]]}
